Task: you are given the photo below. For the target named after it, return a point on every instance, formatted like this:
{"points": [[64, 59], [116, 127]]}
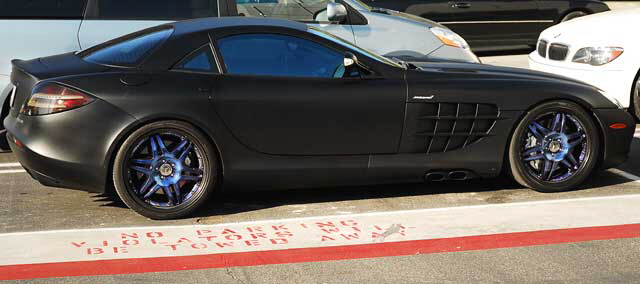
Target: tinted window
{"points": [[279, 55], [129, 52], [154, 9], [304, 11], [200, 60], [42, 9]]}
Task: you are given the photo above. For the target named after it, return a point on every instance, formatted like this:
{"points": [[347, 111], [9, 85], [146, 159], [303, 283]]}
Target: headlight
{"points": [[597, 55], [449, 38]]}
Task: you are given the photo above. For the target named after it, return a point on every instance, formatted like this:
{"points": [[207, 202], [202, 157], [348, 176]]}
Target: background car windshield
{"points": [[303, 11], [279, 55], [153, 9], [126, 53], [349, 45], [41, 9]]}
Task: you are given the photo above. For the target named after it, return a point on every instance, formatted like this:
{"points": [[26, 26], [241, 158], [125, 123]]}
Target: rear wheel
{"points": [[573, 15], [554, 148], [165, 170]]}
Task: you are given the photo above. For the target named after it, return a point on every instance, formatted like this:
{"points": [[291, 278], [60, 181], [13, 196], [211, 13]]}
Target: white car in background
{"points": [[602, 50]]}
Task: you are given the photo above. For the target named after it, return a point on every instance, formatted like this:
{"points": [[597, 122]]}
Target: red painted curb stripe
{"points": [[176, 263]]}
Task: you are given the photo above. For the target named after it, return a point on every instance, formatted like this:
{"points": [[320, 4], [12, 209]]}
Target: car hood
{"points": [[408, 17], [491, 71], [610, 28]]}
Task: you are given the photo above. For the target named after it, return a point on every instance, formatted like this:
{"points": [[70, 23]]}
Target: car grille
{"points": [[542, 48], [558, 51], [444, 127]]}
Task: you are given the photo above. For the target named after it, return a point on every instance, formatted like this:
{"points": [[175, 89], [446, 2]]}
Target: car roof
{"points": [[204, 24]]}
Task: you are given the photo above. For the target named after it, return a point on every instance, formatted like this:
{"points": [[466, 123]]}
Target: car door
{"points": [[435, 10], [109, 19], [495, 22], [311, 12], [291, 95]]}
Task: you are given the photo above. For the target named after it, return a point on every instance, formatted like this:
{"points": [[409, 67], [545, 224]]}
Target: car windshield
{"points": [[347, 44]]}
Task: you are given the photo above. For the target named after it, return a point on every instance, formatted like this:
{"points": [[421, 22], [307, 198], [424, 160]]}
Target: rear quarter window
{"points": [[42, 9], [128, 52]]}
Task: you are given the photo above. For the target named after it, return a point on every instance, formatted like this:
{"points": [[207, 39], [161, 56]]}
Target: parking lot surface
{"points": [[482, 231]]}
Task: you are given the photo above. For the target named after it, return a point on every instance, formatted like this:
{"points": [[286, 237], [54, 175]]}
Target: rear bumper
{"points": [[71, 149], [617, 142]]}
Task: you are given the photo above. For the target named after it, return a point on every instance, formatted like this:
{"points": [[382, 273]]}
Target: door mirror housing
{"points": [[350, 59], [336, 12]]}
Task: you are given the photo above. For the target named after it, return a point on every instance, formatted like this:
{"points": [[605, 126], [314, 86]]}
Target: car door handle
{"points": [[461, 5], [204, 89]]}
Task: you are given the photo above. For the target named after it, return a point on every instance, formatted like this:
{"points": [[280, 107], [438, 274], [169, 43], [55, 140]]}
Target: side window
{"points": [[295, 10], [127, 52], [201, 60], [41, 9], [279, 55], [153, 9]]}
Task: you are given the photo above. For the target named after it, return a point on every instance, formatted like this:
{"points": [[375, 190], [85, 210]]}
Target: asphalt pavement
{"points": [[481, 231]]}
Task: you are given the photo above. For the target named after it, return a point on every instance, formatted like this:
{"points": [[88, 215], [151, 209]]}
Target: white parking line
{"points": [[11, 171], [627, 175], [310, 232], [10, 165]]}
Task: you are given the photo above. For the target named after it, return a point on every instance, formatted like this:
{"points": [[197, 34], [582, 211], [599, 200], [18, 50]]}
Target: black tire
{"points": [[522, 171], [635, 98], [4, 144], [209, 161], [573, 15]]}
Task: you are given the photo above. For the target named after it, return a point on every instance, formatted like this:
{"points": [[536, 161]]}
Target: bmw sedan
{"points": [[169, 115]]}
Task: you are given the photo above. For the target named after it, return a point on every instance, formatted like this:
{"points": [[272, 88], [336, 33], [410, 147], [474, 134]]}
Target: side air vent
{"points": [[444, 127]]}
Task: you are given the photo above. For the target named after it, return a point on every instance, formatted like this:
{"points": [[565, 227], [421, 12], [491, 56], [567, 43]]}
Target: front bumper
{"points": [[616, 84], [617, 142], [71, 149]]}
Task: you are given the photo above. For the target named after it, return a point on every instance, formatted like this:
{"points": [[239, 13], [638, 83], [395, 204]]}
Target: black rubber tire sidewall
{"points": [[635, 98], [522, 176], [210, 160], [4, 143], [573, 15]]}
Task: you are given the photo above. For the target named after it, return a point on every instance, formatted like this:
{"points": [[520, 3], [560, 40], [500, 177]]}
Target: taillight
{"points": [[52, 98]]}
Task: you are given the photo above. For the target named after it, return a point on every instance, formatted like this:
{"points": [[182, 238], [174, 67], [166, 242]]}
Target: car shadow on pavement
{"points": [[226, 203]]}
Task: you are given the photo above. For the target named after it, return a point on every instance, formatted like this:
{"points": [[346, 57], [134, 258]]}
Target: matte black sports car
{"points": [[496, 24], [169, 114]]}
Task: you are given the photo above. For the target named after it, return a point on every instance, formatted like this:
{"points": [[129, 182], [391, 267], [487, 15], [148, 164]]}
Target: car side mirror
{"points": [[350, 59], [336, 12]]}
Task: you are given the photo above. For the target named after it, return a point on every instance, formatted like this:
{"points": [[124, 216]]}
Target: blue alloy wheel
{"points": [[554, 147], [165, 169]]}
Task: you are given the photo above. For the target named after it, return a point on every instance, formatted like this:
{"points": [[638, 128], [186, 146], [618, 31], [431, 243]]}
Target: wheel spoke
{"points": [[161, 145], [152, 191], [557, 122], [184, 153], [571, 159], [145, 162], [154, 147], [532, 150], [190, 174], [179, 148], [169, 194], [146, 186], [538, 130], [554, 167], [577, 141], [142, 170], [177, 196], [533, 158]]}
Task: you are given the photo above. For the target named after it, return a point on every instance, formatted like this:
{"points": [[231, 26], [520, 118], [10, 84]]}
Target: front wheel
{"points": [[165, 170], [635, 98], [554, 148], [573, 15]]}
